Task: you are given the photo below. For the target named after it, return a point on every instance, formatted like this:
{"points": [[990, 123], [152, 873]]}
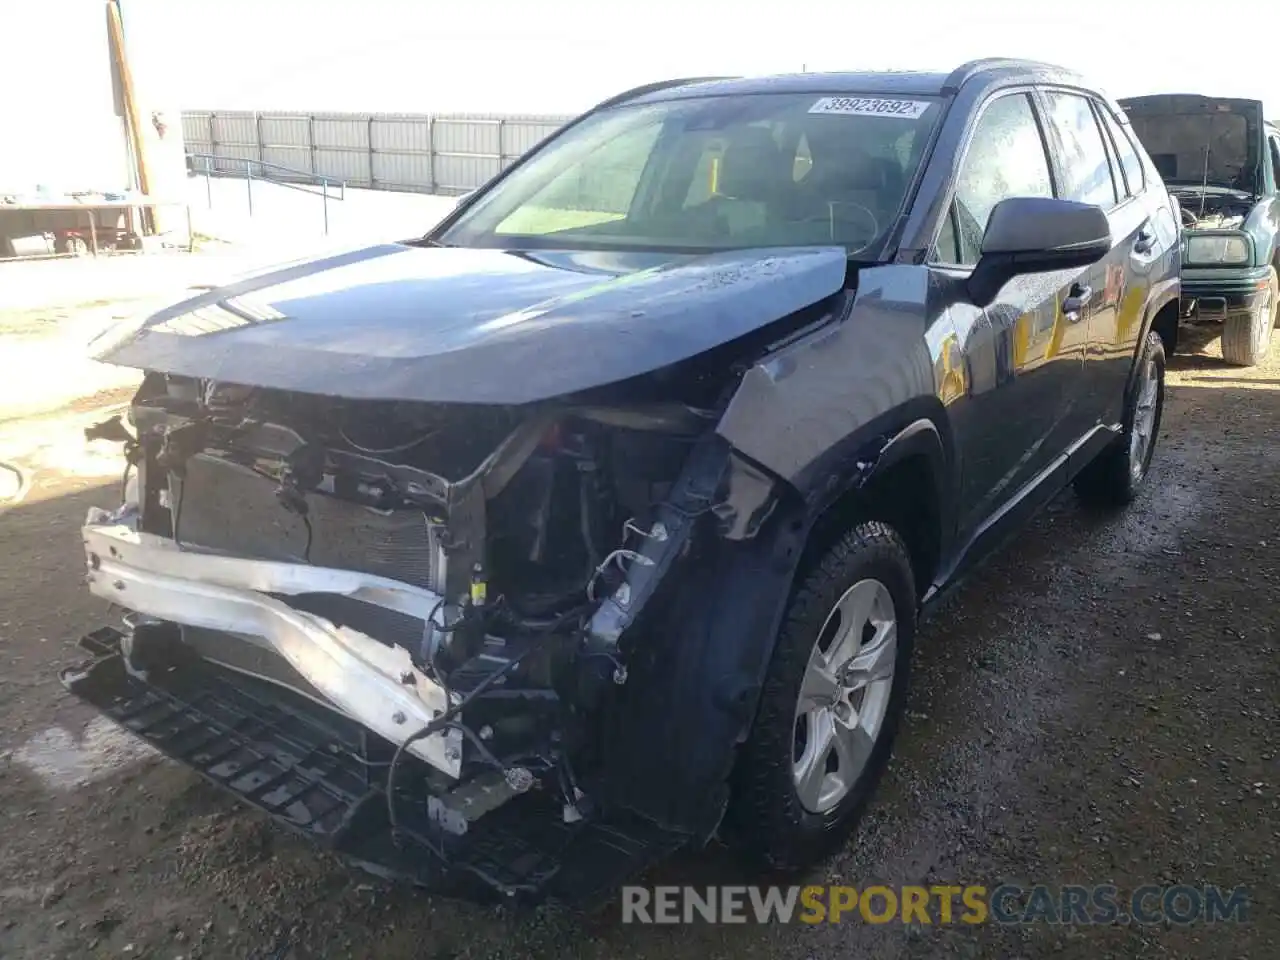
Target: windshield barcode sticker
{"points": [[871, 107]]}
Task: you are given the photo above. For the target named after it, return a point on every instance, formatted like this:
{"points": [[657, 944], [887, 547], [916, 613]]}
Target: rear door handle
{"points": [[1078, 298], [1145, 241]]}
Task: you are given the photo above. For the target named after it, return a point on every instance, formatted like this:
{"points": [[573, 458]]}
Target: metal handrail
{"points": [[309, 179]]}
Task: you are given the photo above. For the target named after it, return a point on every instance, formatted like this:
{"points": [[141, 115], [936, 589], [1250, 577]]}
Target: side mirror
{"points": [[1036, 235]]}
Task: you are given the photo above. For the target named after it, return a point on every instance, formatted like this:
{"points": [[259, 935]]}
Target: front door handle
{"points": [[1077, 299], [1144, 242]]}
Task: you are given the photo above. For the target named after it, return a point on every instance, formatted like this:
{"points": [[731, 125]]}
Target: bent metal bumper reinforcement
{"points": [[321, 774], [376, 685]]}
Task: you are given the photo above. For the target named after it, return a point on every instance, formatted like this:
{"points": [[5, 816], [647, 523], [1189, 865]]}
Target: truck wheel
{"points": [[831, 703], [1247, 339], [1116, 475]]}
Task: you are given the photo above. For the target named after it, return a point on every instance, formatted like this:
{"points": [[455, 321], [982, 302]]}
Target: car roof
{"points": [[991, 71]]}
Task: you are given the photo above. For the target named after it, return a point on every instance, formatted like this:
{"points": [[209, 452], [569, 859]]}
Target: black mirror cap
{"points": [[1037, 235]]}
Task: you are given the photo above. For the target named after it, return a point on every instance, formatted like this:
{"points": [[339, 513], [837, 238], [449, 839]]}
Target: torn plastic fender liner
{"points": [[706, 652], [693, 494], [361, 677], [819, 435], [712, 647]]}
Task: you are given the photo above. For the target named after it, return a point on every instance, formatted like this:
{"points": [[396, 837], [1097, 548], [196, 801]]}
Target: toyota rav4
{"points": [[596, 523]]}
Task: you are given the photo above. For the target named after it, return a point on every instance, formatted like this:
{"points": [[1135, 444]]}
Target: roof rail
{"points": [[646, 88], [967, 71]]}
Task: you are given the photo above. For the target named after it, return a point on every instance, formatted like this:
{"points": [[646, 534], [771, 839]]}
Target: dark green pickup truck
{"points": [[1221, 161]]}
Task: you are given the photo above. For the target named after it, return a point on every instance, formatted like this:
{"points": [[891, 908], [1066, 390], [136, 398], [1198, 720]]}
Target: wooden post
{"points": [[152, 127], [116, 34]]}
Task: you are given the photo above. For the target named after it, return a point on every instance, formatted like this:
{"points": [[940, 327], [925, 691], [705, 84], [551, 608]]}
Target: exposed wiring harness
{"points": [[615, 558], [657, 532], [446, 719]]}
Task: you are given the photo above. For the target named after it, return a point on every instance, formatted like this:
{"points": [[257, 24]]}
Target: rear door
{"points": [[1146, 232], [1109, 295], [1012, 428]]}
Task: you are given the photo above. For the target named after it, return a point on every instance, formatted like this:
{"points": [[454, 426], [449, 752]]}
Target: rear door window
{"points": [[1113, 160], [1086, 172], [1134, 177]]}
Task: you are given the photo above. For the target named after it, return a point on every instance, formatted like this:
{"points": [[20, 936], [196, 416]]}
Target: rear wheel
{"points": [[831, 703], [1246, 340], [1116, 475]]}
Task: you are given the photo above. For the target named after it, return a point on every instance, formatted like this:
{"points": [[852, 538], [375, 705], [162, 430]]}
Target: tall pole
{"points": [[118, 53]]}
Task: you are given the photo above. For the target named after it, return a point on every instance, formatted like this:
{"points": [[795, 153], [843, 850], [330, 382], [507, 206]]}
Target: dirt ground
{"points": [[1097, 705]]}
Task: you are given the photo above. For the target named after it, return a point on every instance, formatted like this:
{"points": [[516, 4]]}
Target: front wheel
{"points": [[831, 703], [1246, 340], [1116, 475]]}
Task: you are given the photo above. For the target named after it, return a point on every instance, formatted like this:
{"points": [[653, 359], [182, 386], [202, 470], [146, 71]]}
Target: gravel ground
{"points": [[1096, 705]]}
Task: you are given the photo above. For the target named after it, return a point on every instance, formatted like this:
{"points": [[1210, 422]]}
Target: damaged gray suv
{"points": [[597, 522]]}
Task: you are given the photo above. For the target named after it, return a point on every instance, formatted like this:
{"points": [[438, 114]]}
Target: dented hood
{"points": [[404, 322]]}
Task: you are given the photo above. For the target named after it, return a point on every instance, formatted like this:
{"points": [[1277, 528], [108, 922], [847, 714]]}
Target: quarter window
{"points": [[1006, 158], [1108, 144], [1086, 174], [1129, 159]]}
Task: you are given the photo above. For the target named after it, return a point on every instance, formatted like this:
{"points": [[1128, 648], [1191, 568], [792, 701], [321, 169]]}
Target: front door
{"points": [[1023, 354]]}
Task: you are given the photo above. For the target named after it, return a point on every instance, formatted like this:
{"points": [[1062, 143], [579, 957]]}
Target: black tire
{"points": [[766, 820], [1246, 340], [1112, 479]]}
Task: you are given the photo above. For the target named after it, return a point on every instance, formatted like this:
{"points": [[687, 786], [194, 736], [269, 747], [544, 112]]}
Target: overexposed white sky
{"points": [[556, 56], [560, 56]]}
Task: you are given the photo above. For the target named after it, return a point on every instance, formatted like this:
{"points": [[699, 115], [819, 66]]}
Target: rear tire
{"points": [[1116, 475], [1246, 340], [831, 703]]}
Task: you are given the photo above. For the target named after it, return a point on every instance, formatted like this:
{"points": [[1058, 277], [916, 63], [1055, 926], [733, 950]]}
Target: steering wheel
{"points": [[831, 218]]}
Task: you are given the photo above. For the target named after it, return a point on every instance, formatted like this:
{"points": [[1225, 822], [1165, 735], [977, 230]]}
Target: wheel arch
{"points": [[906, 485], [1161, 315], [713, 642]]}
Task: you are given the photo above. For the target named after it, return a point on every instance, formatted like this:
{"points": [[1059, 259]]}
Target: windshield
{"points": [[712, 173], [1184, 145]]}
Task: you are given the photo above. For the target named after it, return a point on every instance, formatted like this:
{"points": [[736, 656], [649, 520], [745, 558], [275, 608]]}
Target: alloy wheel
{"points": [[844, 695], [1144, 418]]}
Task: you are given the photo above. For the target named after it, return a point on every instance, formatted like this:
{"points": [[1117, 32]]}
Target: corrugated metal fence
{"points": [[445, 153]]}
